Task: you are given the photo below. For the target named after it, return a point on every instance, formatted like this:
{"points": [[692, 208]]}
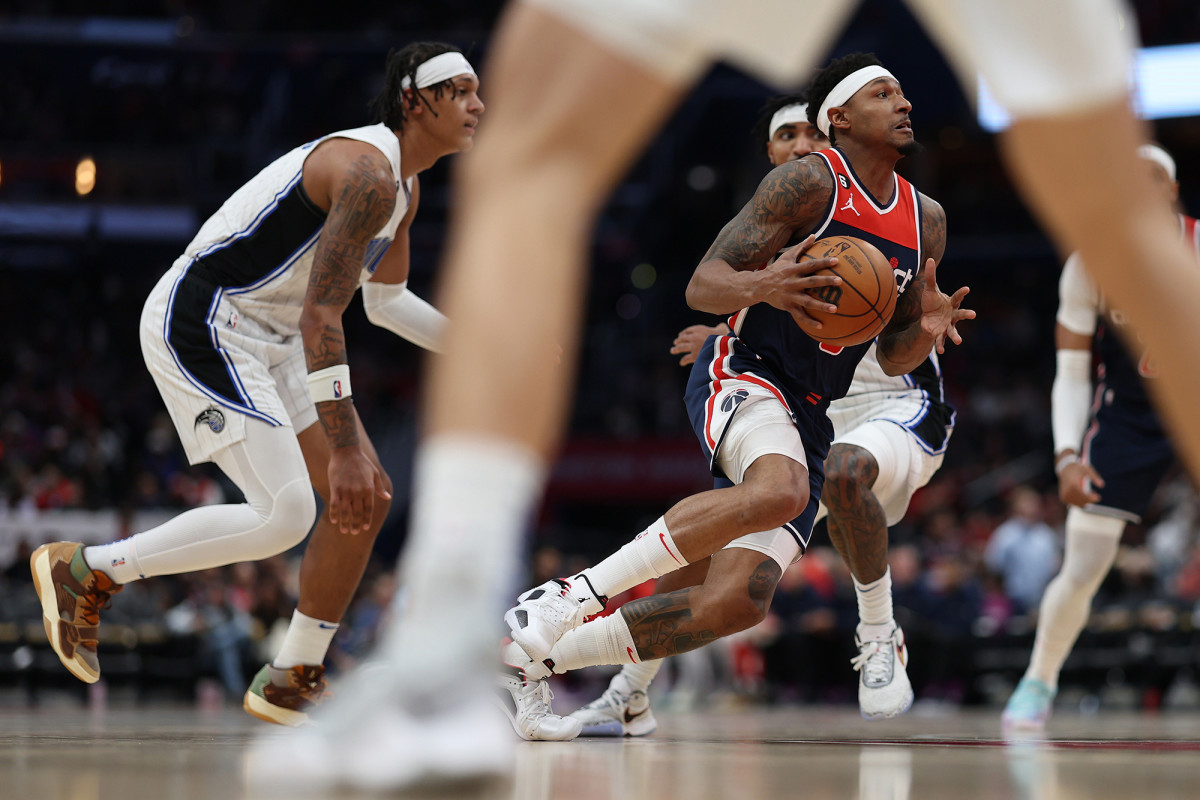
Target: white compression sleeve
{"points": [[1070, 398], [393, 306]]}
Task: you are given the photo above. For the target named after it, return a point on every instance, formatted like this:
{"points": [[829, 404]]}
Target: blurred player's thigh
{"points": [[678, 38], [1039, 58]]}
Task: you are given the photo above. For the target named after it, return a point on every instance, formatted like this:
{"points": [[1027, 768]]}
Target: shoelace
{"points": [[536, 707], [611, 698], [91, 603], [876, 668]]}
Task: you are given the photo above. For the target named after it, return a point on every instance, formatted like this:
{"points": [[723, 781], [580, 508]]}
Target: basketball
{"points": [[865, 300]]}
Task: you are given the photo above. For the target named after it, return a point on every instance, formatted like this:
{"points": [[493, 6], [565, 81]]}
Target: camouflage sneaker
{"points": [[72, 595], [286, 696]]}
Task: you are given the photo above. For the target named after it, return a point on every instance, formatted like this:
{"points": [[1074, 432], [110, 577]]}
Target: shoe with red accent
{"points": [[72, 596], [884, 690], [543, 614]]}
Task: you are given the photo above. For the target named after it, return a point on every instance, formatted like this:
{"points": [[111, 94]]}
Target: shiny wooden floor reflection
{"points": [[181, 754]]}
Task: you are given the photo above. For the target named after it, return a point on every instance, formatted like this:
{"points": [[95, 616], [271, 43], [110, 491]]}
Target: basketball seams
{"points": [[877, 318]]}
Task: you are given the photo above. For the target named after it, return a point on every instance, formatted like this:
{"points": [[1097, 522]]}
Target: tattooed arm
{"points": [[924, 315], [355, 182], [789, 201]]}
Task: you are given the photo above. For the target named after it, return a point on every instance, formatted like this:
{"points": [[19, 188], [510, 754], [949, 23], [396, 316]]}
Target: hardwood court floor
{"points": [[182, 754]]}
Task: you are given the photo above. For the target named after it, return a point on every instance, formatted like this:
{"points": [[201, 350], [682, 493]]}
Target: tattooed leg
{"points": [[735, 595], [857, 524]]}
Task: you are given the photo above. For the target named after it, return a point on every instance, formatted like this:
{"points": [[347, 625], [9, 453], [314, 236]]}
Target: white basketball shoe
{"points": [[543, 614], [884, 690], [618, 712], [526, 703], [377, 739]]}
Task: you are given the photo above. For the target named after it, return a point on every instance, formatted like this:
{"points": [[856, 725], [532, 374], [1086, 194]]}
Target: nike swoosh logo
{"points": [[631, 717], [632, 655], [326, 627], [662, 537]]}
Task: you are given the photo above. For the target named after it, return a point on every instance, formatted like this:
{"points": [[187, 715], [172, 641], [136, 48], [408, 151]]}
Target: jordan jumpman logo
{"points": [[850, 205]]}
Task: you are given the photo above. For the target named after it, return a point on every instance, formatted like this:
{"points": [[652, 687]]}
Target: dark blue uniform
{"points": [[768, 355], [1125, 442]]}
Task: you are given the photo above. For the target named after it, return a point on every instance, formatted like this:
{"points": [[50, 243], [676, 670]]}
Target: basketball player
{"points": [[243, 336], [890, 435], [757, 399], [1110, 451], [560, 140]]}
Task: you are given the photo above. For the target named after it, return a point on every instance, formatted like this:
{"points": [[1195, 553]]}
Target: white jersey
{"points": [[251, 260], [914, 401], [220, 332]]}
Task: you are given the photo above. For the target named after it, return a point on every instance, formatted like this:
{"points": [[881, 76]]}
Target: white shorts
{"points": [[211, 388], [1038, 58], [762, 426], [904, 465]]}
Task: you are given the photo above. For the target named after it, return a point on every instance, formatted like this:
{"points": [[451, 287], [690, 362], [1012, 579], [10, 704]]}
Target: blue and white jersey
{"points": [[915, 402], [250, 262]]}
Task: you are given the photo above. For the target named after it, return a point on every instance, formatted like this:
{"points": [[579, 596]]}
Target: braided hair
{"points": [[391, 106], [825, 80]]}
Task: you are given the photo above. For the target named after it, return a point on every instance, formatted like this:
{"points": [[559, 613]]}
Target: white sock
{"points": [[606, 640], [637, 677], [650, 555], [875, 601], [473, 500], [118, 560], [306, 642], [1092, 542]]}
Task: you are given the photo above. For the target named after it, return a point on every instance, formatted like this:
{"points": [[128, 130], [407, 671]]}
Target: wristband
{"points": [[331, 383], [1064, 462]]}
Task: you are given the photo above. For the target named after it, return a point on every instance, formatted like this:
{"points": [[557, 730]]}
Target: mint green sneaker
{"points": [[1029, 707]]}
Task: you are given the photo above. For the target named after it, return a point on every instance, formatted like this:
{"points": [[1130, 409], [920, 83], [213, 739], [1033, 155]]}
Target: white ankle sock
{"points": [[875, 600], [306, 642], [651, 554], [606, 640], [473, 500], [637, 676], [118, 560]]}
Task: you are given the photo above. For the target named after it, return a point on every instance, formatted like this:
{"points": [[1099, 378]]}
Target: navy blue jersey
{"points": [[1121, 371], [807, 371]]}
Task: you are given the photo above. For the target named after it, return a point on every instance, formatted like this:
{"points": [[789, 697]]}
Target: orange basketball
{"points": [[865, 300]]}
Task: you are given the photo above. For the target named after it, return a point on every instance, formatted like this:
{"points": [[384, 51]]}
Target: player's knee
{"points": [[781, 496], [731, 611], [291, 517], [849, 471]]}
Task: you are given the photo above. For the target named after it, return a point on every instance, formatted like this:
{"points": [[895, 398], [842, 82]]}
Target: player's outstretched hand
{"points": [[1073, 484], [941, 313], [354, 483], [688, 341], [788, 280]]}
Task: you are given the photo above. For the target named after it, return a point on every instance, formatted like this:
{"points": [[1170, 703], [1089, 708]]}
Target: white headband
{"points": [[439, 68], [788, 115], [1152, 152], [845, 89]]}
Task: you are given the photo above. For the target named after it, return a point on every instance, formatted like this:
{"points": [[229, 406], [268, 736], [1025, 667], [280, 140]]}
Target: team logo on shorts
{"points": [[213, 417], [732, 401]]}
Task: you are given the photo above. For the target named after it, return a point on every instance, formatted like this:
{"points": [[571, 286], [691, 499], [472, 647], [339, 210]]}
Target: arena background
{"points": [[177, 103]]}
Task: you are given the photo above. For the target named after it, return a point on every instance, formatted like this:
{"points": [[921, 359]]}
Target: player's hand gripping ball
{"points": [[866, 297]]}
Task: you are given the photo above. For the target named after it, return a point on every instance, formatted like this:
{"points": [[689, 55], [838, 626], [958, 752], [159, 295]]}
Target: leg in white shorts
{"points": [[904, 466], [761, 427]]}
